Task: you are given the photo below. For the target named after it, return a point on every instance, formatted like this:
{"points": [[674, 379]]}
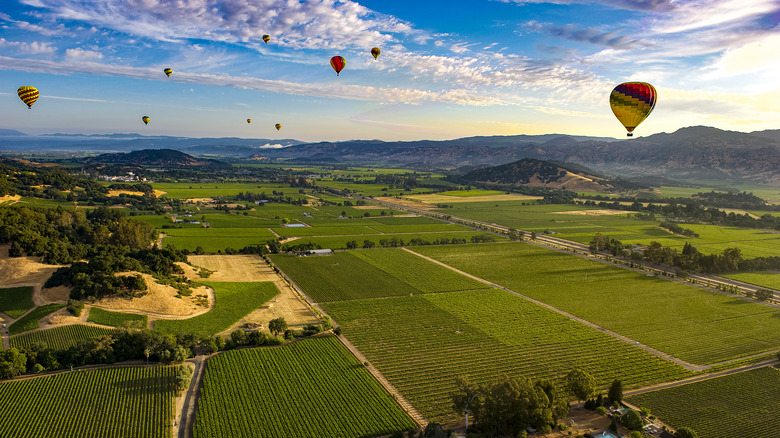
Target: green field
{"points": [[694, 324], [770, 279], [471, 193], [340, 242], [233, 302], [739, 405], [423, 342], [59, 338], [115, 319], [14, 301], [314, 388], [207, 190], [111, 402], [31, 320]]}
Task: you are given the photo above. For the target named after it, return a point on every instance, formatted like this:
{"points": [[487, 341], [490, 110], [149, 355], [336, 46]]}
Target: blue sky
{"points": [[448, 69]]}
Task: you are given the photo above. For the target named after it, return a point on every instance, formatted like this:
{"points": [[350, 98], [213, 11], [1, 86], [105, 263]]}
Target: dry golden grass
{"points": [[160, 299]]}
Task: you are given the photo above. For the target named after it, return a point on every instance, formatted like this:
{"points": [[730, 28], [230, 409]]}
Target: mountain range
{"points": [[689, 154]]}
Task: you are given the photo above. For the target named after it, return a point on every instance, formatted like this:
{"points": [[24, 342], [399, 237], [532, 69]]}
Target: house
{"points": [[320, 252]]}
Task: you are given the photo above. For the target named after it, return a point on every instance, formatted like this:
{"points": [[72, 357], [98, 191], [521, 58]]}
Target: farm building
{"points": [[320, 252]]}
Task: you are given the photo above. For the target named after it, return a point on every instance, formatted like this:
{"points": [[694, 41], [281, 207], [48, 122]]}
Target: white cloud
{"points": [[700, 14], [28, 48], [755, 56], [83, 55]]}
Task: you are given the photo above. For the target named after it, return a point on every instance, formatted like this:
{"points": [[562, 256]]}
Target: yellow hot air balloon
{"points": [[249, 120], [28, 95], [168, 72], [145, 119], [278, 126], [632, 102], [375, 52], [266, 38]]}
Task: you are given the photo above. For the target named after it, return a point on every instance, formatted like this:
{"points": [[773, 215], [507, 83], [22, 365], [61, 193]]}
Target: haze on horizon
{"points": [[447, 69]]}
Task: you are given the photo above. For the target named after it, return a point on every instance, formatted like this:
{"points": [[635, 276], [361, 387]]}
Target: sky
{"points": [[448, 69]]}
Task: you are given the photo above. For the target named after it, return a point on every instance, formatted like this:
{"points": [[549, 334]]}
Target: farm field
{"points": [[340, 242], [111, 402], [648, 309], [14, 301], [738, 405], [59, 338], [314, 388], [768, 279], [31, 320], [457, 197], [115, 319], [234, 300], [483, 334], [207, 190]]}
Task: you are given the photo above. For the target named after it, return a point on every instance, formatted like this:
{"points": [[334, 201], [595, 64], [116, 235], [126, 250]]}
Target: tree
{"points": [[183, 376], [12, 363], [616, 392], [278, 325], [764, 295], [686, 432], [368, 244], [580, 384], [352, 244], [434, 430], [631, 420], [75, 307], [147, 352]]}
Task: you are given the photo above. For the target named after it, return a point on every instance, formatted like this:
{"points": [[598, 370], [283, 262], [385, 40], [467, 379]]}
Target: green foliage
{"points": [[685, 432], [312, 388], [615, 394], [631, 420], [183, 376], [59, 338], [234, 300], [580, 383], [75, 307], [116, 319], [14, 301], [278, 325], [125, 402], [741, 404], [31, 320]]}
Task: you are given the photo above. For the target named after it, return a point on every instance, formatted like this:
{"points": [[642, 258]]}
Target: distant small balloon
{"points": [[375, 52], [338, 63], [145, 119], [249, 120], [168, 72], [28, 95], [278, 126], [266, 38]]}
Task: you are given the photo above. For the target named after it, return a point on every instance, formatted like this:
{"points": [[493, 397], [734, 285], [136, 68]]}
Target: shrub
{"points": [[601, 410], [75, 307]]}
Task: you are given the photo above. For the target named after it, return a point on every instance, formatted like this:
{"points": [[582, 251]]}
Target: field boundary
{"points": [[701, 378]]}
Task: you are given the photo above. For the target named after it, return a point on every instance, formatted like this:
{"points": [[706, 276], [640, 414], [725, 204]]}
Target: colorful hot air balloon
{"points": [[28, 95], [278, 126], [168, 71], [338, 63], [375, 51], [145, 119], [632, 102], [266, 38], [249, 120]]}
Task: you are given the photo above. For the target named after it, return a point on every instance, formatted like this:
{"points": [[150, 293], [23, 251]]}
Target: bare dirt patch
{"points": [[237, 267], [15, 270], [603, 212], [411, 203], [57, 294], [61, 317], [160, 299], [124, 192], [10, 199], [368, 207], [447, 199]]}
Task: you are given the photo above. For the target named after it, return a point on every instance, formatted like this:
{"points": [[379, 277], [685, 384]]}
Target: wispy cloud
{"points": [[29, 48], [79, 54], [636, 5], [579, 34]]}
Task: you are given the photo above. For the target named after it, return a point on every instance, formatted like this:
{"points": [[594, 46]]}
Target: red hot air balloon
{"points": [[338, 63]]}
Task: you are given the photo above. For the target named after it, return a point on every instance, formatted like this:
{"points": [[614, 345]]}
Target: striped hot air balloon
{"points": [[28, 95], [278, 126], [338, 63], [167, 71], [266, 38], [249, 120], [145, 119], [632, 102]]}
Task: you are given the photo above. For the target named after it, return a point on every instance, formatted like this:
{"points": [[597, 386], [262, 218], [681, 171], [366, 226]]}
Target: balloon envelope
{"points": [[278, 126], [632, 102], [375, 52], [266, 38], [168, 72], [28, 95], [145, 119], [249, 120], [338, 63]]}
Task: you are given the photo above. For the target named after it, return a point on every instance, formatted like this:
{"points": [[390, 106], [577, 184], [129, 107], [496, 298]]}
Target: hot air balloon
{"points": [[266, 38], [338, 63], [632, 102], [145, 119], [375, 51], [278, 126], [249, 120], [168, 71], [28, 95]]}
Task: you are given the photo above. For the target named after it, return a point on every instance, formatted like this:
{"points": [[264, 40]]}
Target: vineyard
{"points": [[340, 242], [32, 320], [233, 302], [14, 301], [313, 388], [739, 405], [651, 310], [115, 319], [422, 343], [110, 402], [59, 338]]}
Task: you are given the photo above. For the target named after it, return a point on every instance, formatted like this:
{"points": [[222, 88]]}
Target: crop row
{"points": [[115, 319], [32, 320], [312, 388], [14, 301], [59, 338], [742, 404], [111, 402]]}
